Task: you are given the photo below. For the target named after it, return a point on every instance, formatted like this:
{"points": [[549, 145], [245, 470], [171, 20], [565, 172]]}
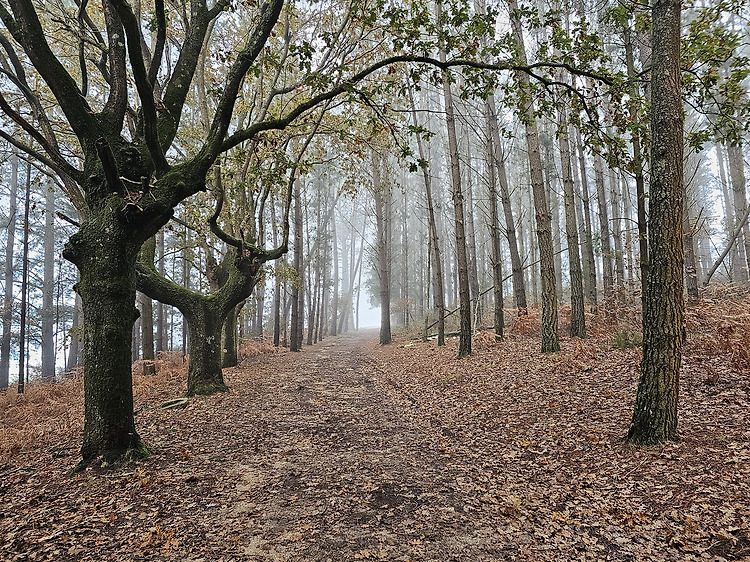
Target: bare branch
{"points": [[142, 84]]}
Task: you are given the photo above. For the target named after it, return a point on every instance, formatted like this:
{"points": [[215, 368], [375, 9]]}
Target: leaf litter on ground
{"points": [[353, 451]]}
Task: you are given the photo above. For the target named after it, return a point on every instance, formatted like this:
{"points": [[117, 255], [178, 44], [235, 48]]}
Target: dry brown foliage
{"points": [[355, 451], [255, 346]]}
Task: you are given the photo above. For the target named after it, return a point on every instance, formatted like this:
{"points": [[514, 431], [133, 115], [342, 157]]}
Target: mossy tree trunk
{"points": [[229, 347], [205, 314], [205, 323], [105, 250]]}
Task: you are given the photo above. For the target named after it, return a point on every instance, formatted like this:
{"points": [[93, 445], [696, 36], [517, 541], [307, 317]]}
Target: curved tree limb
{"points": [[68, 171], [27, 31], [117, 102], [269, 15], [161, 38], [348, 84]]}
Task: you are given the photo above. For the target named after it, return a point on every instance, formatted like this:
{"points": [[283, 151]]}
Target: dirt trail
{"points": [[342, 472], [310, 456]]}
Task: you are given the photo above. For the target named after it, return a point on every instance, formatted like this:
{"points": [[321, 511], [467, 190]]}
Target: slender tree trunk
{"points": [[519, 289], [608, 273], [588, 238], [550, 340], [438, 285], [405, 249], [277, 283], [161, 320], [729, 222], [691, 274], [577, 308], [335, 258], [382, 218], [640, 183], [737, 173], [497, 258], [655, 413], [614, 188], [186, 259], [471, 238], [22, 355], [295, 336], [147, 337], [9, 277], [465, 329], [48, 289]]}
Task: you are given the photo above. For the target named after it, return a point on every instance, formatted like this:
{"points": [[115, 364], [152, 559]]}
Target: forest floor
{"points": [[353, 451]]}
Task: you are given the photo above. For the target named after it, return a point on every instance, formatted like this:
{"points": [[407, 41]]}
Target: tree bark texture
{"points": [[464, 295], [382, 218], [577, 309], [655, 413], [550, 339]]}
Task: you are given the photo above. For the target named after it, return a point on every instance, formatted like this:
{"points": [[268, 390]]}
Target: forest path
{"points": [[353, 451], [340, 469]]}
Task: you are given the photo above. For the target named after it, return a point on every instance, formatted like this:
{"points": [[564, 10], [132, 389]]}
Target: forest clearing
{"points": [[354, 451]]}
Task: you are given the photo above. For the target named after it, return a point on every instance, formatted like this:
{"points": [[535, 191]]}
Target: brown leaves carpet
{"points": [[351, 451]]}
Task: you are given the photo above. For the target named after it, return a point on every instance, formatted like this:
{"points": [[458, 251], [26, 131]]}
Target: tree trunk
{"points": [[438, 285], [729, 222], [204, 347], [640, 182], [519, 290], [204, 314], [577, 309], [103, 250], [550, 340], [295, 336], [48, 288], [22, 355], [691, 274], [471, 239], [335, 258], [161, 324], [614, 189], [229, 338], [464, 296], [655, 413], [497, 258], [9, 277], [737, 174], [147, 334], [588, 238], [608, 273], [382, 218]]}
